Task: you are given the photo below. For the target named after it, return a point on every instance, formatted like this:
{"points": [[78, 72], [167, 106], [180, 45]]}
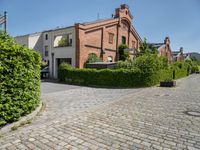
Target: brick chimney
{"points": [[123, 10], [167, 41], [181, 50]]}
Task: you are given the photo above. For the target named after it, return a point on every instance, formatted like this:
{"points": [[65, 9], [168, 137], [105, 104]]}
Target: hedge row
{"points": [[19, 80], [118, 77]]}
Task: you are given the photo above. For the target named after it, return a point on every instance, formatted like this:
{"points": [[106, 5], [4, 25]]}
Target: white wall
{"points": [[22, 40], [35, 41], [38, 42], [60, 52], [32, 41]]}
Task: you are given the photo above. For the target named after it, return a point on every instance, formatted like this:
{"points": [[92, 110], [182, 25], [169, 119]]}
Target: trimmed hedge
{"points": [[120, 77], [19, 80], [106, 77]]}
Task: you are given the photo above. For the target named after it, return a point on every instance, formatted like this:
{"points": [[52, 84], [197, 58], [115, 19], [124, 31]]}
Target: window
{"points": [[64, 60], [70, 39], [110, 59], [123, 40], [63, 40], [46, 36], [133, 44], [111, 38], [46, 51]]}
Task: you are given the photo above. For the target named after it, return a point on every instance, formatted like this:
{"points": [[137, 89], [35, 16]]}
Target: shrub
{"points": [[123, 55], [146, 70], [128, 64], [92, 58], [148, 64], [62, 70], [107, 77], [19, 80]]}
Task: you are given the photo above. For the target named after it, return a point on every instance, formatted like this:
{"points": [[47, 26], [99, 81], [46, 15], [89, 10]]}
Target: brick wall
{"points": [[94, 37]]}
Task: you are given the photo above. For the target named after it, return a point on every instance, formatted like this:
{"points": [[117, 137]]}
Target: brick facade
{"points": [[103, 37], [166, 51]]}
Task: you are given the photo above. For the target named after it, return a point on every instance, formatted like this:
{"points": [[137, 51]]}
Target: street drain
{"points": [[193, 113]]}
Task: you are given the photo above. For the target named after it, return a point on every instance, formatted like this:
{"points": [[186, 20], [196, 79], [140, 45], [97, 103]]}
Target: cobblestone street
{"points": [[82, 118]]}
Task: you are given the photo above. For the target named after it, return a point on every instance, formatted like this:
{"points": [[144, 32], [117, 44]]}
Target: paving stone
{"points": [[95, 118]]}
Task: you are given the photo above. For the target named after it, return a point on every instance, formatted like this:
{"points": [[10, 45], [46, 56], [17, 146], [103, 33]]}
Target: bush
{"points": [[148, 64], [19, 80], [123, 55], [92, 58], [107, 77], [128, 64], [62, 70], [146, 70]]}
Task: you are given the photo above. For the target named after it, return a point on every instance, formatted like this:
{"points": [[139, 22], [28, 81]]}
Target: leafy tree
{"points": [[123, 55], [148, 63], [63, 42], [146, 48]]}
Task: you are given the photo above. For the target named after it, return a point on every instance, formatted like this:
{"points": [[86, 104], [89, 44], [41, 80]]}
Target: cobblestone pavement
{"points": [[95, 118]]}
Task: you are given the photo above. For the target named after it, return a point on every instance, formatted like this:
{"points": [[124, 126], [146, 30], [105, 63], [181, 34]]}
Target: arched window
{"points": [[110, 59]]}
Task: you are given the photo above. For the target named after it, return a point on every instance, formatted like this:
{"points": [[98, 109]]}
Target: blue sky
{"points": [[153, 19]]}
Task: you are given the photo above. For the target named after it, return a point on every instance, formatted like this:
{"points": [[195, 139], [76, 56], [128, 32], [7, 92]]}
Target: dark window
{"points": [[64, 60], [46, 36], [46, 51], [111, 38], [123, 40]]}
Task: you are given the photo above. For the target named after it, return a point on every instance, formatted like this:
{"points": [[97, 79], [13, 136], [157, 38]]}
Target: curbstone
{"points": [[22, 120]]}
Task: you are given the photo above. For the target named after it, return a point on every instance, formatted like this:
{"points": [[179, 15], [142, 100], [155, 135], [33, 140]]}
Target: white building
{"points": [[56, 46]]}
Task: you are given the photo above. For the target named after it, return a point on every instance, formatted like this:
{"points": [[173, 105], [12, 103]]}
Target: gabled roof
{"points": [[96, 21], [156, 45]]}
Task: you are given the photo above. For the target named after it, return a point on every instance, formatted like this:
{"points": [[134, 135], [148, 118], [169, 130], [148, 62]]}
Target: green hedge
{"points": [[120, 77], [19, 80], [107, 77]]}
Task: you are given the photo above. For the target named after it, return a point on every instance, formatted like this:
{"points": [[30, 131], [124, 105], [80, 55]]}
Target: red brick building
{"points": [[103, 37], [164, 49]]}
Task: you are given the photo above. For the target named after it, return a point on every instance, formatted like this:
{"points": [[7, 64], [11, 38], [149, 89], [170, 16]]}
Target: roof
{"points": [[157, 45], [58, 28], [175, 52], [96, 21]]}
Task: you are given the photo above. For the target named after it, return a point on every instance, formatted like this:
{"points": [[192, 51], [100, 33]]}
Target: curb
{"points": [[22, 120]]}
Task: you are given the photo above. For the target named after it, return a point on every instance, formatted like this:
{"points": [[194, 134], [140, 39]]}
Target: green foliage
{"points": [[104, 77], [19, 80], [148, 64], [43, 64], [123, 55], [128, 64], [146, 70], [146, 48], [62, 70], [92, 58], [63, 42], [194, 65]]}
